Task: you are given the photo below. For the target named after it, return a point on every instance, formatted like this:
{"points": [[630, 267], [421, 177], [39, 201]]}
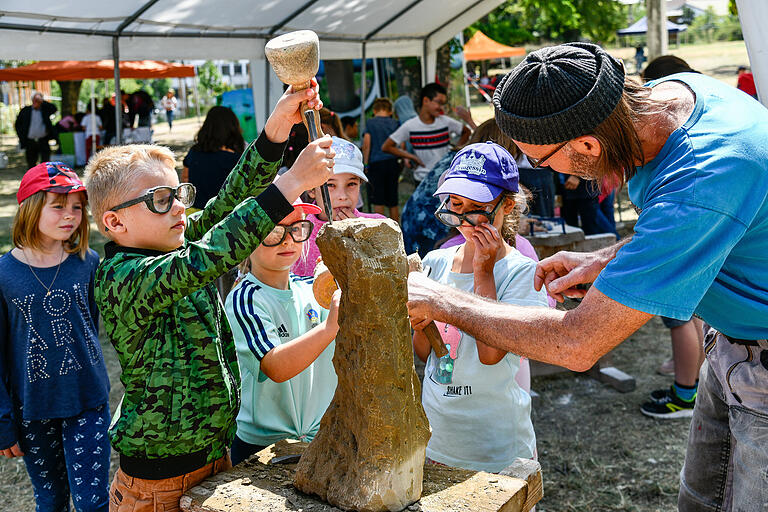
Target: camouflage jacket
{"points": [[163, 315]]}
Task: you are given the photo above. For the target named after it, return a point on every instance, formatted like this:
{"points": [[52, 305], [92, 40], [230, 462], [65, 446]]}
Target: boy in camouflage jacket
{"points": [[160, 307]]}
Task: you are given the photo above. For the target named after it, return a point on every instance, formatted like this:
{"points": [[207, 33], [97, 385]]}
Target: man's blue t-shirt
{"points": [[701, 240]]}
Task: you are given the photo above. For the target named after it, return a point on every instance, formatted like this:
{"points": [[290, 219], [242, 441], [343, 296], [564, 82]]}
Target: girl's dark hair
{"points": [[221, 128], [297, 141]]}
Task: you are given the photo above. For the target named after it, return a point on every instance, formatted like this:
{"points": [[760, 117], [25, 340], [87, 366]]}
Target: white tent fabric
{"points": [[231, 29]]}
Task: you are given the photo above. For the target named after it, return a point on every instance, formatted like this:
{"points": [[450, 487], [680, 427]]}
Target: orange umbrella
{"points": [[482, 47], [100, 69]]}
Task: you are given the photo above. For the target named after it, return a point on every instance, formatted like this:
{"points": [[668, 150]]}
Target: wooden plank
{"points": [[257, 485]]}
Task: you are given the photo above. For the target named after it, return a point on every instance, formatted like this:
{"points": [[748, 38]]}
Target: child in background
{"points": [[54, 388], [331, 124], [91, 124], [480, 417], [429, 133], [284, 342], [161, 310], [344, 190], [383, 168], [351, 130]]}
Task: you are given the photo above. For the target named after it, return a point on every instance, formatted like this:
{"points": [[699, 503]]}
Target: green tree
{"points": [[521, 21], [210, 82]]}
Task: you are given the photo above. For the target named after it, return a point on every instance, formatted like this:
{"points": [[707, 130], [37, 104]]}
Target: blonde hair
{"points": [[511, 223], [25, 232], [113, 170], [245, 266]]}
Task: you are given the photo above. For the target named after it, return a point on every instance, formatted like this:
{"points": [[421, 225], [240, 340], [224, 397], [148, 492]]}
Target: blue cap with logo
{"points": [[480, 172]]}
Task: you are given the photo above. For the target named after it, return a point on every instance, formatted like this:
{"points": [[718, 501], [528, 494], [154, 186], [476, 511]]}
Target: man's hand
{"points": [[563, 271], [311, 169], [13, 451], [423, 295], [572, 183], [287, 112]]}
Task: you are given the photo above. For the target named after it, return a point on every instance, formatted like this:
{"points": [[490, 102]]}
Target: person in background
{"points": [[687, 336], [169, 104], [34, 129], [429, 133], [92, 126], [217, 149], [349, 125], [107, 115], [383, 168], [746, 81], [331, 124], [218, 146]]}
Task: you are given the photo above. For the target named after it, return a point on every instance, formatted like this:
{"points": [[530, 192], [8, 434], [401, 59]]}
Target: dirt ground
{"points": [[597, 452]]}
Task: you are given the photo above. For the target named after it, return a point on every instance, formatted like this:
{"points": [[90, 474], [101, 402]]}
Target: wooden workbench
{"points": [[257, 485]]}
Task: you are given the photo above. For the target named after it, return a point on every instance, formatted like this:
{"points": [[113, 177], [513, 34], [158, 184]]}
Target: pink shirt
{"points": [[306, 267]]}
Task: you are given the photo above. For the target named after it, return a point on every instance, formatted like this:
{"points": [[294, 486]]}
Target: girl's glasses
{"points": [[473, 218], [299, 231], [160, 199]]}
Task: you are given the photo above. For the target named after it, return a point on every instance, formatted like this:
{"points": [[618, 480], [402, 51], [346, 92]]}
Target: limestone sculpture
{"points": [[369, 452]]}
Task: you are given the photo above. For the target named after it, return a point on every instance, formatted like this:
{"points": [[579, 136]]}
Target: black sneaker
{"points": [[668, 406], [660, 394]]}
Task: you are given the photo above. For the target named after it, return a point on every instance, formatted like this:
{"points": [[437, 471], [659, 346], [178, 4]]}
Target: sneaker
{"points": [[660, 394], [667, 368], [668, 406]]}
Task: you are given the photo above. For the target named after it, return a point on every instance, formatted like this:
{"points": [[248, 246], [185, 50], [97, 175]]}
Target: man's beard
{"points": [[588, 167]]}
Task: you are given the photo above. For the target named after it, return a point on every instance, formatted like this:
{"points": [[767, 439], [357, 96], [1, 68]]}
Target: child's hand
{"points": [[332, 322], [487, 242], [287, 111], [312, 168], [418, 161], [13, 451], [344, 213]]}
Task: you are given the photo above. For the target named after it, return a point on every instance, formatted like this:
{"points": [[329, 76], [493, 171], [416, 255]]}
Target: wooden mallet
{"points": [[295, 58]]}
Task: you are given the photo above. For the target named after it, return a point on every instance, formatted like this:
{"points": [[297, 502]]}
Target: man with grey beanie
{"points": [[694, 154]]}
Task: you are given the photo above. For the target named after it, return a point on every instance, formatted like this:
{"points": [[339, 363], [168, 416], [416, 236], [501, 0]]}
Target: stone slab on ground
{"points": [[257, 485]]}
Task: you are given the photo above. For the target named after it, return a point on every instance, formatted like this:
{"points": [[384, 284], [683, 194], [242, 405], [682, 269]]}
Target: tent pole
{"points": [[118, 96], [464, 69], [197, 96], [363, 93], [93, 117]]}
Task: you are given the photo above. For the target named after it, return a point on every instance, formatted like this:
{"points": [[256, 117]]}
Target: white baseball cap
{"points": [[348, 158]]}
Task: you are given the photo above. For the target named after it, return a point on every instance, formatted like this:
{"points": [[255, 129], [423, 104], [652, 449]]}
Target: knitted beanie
{"points": [[558, 93]]}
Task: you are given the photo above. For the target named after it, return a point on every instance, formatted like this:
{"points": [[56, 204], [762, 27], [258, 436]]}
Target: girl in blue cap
{"points": [[479, 414]]}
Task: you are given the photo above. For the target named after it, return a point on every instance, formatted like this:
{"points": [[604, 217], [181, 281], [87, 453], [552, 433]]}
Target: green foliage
{"points": [[524, 21], [710, 27], [210, 83], [105, 88]]}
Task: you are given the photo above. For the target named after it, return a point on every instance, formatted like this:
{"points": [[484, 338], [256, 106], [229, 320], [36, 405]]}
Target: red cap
{"points": [[49, 176], [307, 207]]}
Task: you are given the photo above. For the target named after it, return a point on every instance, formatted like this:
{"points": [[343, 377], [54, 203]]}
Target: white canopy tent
{"points": [[232, 29]]}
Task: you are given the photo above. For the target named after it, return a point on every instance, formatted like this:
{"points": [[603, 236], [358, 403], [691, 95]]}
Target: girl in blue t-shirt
{"points": [[479, 414], [284, 342], [54, 388]]}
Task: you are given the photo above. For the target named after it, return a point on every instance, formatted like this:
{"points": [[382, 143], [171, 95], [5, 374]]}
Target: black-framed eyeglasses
{"points": [[473, 218], [160, 199], [299, 231], [538, 162]]}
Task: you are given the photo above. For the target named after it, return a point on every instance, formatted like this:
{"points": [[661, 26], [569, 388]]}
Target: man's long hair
{"points": [[620, 144]]}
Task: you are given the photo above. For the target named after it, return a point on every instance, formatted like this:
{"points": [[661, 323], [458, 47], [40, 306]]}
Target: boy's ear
{"points": [[311, 193], [112, 222]]}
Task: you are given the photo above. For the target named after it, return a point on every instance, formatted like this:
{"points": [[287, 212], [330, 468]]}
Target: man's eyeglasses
{"points": [[538, 162], [160, 199], [299, 231], [473, 218]]}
